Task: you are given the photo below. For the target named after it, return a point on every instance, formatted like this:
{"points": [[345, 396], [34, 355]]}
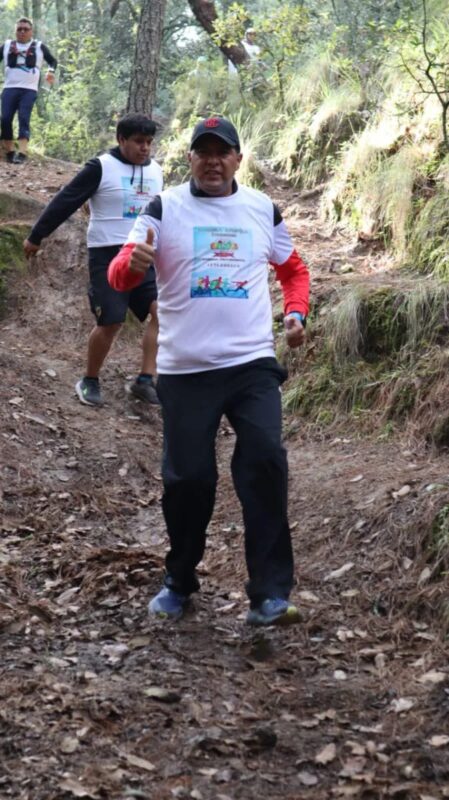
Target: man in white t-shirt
{"points": [[211, 240], [117, 185], [23, 58]]}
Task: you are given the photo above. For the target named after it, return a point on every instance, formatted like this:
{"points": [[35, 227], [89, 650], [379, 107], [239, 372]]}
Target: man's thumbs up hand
{"points": [[143, 254]]}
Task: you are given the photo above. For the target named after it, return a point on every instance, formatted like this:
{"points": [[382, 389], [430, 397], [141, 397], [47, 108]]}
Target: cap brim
{"points": [[212, 132]]}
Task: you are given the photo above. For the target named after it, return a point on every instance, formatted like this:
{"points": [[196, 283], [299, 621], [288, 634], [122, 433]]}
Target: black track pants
{"points": [[192, 406]]}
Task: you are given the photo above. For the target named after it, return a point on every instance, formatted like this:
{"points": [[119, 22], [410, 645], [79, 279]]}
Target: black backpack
{"points": [[30, 55]]}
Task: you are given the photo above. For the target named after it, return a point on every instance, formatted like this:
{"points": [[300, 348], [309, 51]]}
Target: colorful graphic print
{"points": [[136, 194], [221, 262]]}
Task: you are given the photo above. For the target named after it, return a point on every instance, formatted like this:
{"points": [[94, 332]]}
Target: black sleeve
{"points": [[1, 52], [154, 208], [51, 60], [67, 201], [277, 216]]}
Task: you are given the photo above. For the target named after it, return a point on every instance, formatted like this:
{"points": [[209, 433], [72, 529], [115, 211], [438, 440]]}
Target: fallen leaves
{"points": [[307, 778], [433, 677], [69, 744], [402, 492], [115, 653], [402, 704], [76, 788], [326, 755], [137, 761], [338, 573], [162, 694], [439, 740]]}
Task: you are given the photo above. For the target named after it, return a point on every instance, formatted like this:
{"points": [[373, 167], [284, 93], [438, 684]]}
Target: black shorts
{"points": [[108, 305]]}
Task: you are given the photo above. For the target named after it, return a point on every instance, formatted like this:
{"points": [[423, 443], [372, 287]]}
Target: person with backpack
{"points": [[117, 185], [23, 58]]}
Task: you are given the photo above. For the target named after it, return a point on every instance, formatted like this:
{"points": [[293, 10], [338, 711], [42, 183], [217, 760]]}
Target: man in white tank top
{"points": [[117, 186]]}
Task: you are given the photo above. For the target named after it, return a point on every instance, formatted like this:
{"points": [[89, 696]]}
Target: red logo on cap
{"points": [[213, 122]]}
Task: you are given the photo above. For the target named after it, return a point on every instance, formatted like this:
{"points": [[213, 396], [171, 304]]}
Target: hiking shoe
{"points": [[143, 388], [20, 158], [11, 157], [88, 391], [273, 612], [168, 604]]}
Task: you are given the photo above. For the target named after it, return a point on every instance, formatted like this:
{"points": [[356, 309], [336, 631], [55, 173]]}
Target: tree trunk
{"points": [[145, 69], [72, 17], [206, 14], [60, 17], [36, 6]]}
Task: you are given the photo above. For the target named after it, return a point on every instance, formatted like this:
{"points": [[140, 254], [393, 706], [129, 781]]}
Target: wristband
{"points": [[297, 315]]}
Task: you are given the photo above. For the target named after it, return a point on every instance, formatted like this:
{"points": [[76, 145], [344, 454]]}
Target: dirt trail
{"points": [[98, 702]]}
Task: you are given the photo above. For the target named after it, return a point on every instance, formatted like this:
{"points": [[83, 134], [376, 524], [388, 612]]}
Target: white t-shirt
{"points": [[211, 264], [21, 76], [123, 191]]}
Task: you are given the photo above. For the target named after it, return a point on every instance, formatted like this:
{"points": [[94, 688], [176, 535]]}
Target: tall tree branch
{"points": [[206, 14]]}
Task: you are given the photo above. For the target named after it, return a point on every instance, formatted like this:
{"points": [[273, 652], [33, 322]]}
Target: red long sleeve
{"points": [[119, 275], [294, 278]]}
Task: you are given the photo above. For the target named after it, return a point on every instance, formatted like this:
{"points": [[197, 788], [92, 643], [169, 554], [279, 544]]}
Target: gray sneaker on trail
{"points": [[88, 391], [144, 389]]}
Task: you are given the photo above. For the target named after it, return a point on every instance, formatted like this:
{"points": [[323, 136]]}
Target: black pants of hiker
{"points": [[192, 406]]}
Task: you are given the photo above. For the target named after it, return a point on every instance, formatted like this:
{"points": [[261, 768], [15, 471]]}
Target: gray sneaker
{"points": [[144, 389], [88, 391], [273, 611]]}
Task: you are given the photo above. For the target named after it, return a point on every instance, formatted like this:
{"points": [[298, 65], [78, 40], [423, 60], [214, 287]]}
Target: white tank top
{"points": [[123, 191], [21, 76]]}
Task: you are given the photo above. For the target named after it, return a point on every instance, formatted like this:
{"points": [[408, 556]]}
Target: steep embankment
{"points": [[101, 703]]}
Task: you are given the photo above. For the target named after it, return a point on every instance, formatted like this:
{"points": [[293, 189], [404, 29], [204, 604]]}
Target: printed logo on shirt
{"points": [[136, 194], [221, 262]]}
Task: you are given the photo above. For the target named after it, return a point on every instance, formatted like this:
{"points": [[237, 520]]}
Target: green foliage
{"points": [[425, 57], [377, 355], [90, 83], [230, 26], [173, 149], [365, 30], [384, 204], [252, 140], [429, 243], [324, 105], [386, 322], [281, 33], [205, 89], [11, 256], [309, 143], [438, 546]]}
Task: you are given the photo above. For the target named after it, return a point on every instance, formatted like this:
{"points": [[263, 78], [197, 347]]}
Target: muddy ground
{"points": [[99, 702]]}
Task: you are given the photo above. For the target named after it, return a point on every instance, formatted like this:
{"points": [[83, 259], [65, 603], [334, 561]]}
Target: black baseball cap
{"points": [[216, 126]]}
